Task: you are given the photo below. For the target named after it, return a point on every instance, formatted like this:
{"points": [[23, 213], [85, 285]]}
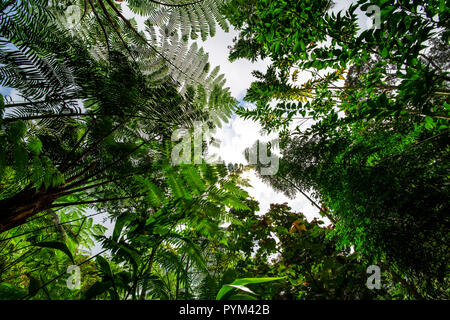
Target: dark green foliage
{"points": [[86, 135], [377, 154], [284, 244]]}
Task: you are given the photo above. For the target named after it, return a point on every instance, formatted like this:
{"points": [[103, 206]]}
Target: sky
{"points": [[239, 134]]}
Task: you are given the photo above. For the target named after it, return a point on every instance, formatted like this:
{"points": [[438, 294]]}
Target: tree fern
{"points": [[190, 17], [38, 76], [161, 51], [190, 67]]}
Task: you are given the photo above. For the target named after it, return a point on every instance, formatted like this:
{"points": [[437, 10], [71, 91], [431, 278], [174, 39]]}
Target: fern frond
{"points": [[190, 17]]}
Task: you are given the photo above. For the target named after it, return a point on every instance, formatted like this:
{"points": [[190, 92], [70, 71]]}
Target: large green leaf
{"points": [[35, 145], [97, 289], [241, 284], [120, 223], [104, 265]]}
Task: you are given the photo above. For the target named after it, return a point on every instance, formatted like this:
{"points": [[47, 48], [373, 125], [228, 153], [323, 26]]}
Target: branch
{"points": [[113, 163], [101, 25], [68, 204], [70, 165], [31, 103], [312, 201], [176, 5], [77, 184], [71, 191], [47, 116], [46, 227], [77, 114], [115, 27]]}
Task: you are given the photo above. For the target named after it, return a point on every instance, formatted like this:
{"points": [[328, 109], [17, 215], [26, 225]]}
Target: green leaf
{"points": [[227, 289], [97, 289], [302, 45], [20, 159], [241, 287], [154, 195], [37, 172], [429, 123], [120, 223], [58, 246], [235, 203], [35, 146], [243, 297], [132, 254], [193, 178], [104, 265], [16, 131], [174, 185]]}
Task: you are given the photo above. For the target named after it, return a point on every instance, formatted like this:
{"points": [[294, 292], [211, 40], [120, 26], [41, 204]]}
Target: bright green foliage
{"points": [[241, 284], [94, 131], [190, 17], [398, 76], [90, 136], [399, 217], [41, 250], [377, 154], [165, 240], [56, 146]]}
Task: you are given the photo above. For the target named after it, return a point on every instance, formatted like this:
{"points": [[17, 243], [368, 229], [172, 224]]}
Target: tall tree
{"points": [[376, 154], [85, 124]]}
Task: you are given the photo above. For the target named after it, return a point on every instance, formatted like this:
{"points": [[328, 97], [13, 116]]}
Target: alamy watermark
{"points": [[189, 150], [74, 280], [374, 280], [71, 20], [374, 12]]}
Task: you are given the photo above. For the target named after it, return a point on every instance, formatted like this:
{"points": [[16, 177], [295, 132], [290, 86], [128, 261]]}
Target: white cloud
{"points": [[239, 134], [238, 73], [236, 136], [266, 195]]}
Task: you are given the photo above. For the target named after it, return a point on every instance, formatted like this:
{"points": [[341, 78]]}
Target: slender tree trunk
{"points": [[322, 210]]}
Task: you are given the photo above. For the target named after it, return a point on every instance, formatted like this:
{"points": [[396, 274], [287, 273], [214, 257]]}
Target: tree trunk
{"points": [[16, 210]]}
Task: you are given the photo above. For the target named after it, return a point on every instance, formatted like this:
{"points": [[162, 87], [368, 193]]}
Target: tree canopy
{"points": [[87, 133]]}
